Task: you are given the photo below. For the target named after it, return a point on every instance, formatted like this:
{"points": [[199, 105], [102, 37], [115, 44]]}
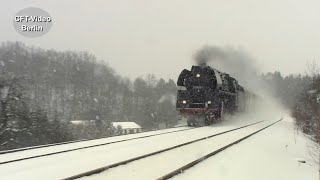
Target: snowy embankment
{"points": [[274, 153]]}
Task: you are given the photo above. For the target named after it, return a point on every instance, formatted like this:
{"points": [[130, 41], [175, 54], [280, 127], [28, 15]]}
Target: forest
{"points": [[42, 91]]}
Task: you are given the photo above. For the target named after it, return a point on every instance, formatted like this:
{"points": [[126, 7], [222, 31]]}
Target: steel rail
{"points": [[91, 146], [70, 142], [99, 170], [197, 161]]}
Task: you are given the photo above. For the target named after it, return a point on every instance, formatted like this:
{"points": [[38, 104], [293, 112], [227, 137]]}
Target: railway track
{"points": [[101, 169], [91, 146], [68, 142], [197, 161]]}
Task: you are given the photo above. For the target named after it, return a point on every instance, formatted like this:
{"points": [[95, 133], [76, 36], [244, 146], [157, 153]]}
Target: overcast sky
{"points": [[138, 37]]}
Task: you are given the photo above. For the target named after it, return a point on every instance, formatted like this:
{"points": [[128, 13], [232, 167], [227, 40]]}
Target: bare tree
{"points": [[313, 100]]}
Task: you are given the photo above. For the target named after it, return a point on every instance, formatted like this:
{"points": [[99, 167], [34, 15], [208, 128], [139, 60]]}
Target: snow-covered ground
{"points": [[70, 163], [65, 147], [271, 154], [156, 166]]}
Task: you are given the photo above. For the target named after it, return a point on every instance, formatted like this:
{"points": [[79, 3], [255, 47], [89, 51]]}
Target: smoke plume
{"points": [[236, 62], [240, 65]]}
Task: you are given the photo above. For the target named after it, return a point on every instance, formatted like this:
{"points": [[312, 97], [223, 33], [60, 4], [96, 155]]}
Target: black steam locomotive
{"points": [[206, 94]]}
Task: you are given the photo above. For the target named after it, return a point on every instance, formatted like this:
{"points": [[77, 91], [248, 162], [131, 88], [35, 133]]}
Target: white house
{"points": [[127, 127]]}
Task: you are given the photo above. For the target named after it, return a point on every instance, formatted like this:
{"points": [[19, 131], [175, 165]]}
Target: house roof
{"points": [[126, 125], [82, 121]]}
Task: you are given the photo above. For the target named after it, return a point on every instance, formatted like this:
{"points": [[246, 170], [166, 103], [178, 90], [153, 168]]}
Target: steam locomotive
{"points": [[205, 95]]}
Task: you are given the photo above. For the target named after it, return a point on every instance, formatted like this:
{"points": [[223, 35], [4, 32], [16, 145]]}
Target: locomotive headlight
{"points": [[198, 75], [209, 102], [184, 102]]}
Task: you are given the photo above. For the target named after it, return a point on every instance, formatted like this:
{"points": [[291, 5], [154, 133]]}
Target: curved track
{"points": [[197, 161], [101, 169]]}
